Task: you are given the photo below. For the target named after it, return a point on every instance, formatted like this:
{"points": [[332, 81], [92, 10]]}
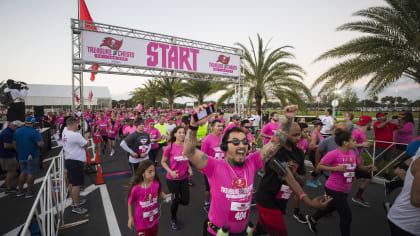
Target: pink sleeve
{"points": [[208, 170], [329, 158], [407, 128], [166, 152], [265, 129], [205, 146], [132, 197]]}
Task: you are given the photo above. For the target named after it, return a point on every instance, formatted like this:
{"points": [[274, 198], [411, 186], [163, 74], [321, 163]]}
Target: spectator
{"points": [[28, 142], [8, 154], [384, 132], [265, 117], [328, 122], [405, 131], [75, 157], [349, 121]]}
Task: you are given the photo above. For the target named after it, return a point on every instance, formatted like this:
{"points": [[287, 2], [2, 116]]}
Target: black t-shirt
{"points": [[270, 185], [136, 139]]}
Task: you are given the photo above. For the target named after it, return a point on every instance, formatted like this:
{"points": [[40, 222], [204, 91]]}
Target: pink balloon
{"points": [[139, 107]]}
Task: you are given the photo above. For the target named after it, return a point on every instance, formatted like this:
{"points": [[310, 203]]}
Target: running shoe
{"points": [[311, 224], [311, 184], [3, 187], [175, 224], [112, 152], [299, 217], [79, 210], [206, 208], [20, 194], [29, 195], [361, 201], [11, 190], [317, 182], [82, 201]]}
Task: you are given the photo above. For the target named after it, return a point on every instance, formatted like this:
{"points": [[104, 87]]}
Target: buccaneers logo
{"points": [[223, 59], [112, 43]]}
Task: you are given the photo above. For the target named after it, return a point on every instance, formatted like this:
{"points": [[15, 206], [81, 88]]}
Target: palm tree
{"points": [[268, 70], [170, 88], [389, 50], [201, 89], [147, 95]]}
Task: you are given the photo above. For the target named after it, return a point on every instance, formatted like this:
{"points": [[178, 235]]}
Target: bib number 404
{"points": [[240, 215]]}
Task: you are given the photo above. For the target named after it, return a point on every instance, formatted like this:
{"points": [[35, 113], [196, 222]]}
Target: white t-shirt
{"points": [[256, 121], [170, 128], [328, 123], [72, 145]]}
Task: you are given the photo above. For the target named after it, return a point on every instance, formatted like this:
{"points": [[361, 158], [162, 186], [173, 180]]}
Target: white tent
{"points": [[60, 95]]}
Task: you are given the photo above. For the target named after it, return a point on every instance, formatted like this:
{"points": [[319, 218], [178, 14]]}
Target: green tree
{"points": [[388, 50], [201, 89], [349, 100], [266, 69], [170, 89], [146, 95]]}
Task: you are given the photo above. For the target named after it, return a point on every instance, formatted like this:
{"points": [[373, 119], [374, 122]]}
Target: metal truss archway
{"points": [[79, 66]]}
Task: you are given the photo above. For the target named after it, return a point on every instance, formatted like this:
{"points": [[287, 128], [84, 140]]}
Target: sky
{"points": [[35, 41]]}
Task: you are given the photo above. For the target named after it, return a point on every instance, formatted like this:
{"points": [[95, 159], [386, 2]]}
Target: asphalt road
{"points": [[107, 208]]}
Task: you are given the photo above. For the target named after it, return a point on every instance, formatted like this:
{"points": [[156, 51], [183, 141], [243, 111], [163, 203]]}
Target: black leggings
{"points": [[339, 204], [153, 153], [182, 194]]}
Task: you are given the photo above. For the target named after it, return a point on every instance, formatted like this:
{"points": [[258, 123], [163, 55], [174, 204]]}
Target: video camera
{"points": [[16, 84]]}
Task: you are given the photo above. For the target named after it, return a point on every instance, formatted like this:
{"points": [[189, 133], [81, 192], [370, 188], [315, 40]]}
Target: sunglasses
{"points": [[236, 142], [248, 127]]}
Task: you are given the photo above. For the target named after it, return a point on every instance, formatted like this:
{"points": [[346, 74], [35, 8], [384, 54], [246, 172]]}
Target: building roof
{"points": [[49, 90]]}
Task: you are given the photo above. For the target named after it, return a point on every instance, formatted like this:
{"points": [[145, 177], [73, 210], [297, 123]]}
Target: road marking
{"points": [[111, 219]]}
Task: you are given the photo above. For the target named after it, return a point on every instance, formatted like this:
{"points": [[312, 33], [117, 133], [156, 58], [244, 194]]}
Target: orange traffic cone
{"points": [[97, 158], [88, 158], [99, 177]]}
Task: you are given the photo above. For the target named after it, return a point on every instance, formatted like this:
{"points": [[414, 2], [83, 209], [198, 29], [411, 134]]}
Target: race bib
{"points": [[180, 158], [150, 214], [239, 211], [284, 192]]}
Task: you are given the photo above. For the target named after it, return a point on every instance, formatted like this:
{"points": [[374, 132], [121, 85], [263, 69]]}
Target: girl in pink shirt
{"points": [[405, 131], [342, 162], [177, 172], [303, 143], [112, 133], [143, 190]]}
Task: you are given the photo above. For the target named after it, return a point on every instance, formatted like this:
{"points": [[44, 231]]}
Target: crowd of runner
{"points": [[230, 153]]}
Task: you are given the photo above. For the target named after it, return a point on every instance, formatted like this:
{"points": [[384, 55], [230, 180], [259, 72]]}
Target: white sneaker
{"points": [[112, 152]]}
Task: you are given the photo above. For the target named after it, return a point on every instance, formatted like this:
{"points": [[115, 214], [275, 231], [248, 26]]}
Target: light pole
{"points": [[395, 100]]}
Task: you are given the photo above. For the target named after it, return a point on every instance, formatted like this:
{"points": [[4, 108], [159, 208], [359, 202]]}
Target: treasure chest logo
{"points": [[223, 59], [112, 44]]}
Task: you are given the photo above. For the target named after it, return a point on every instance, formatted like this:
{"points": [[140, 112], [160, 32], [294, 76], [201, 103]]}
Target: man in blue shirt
{"points": [[27, 141], [8, 160]]}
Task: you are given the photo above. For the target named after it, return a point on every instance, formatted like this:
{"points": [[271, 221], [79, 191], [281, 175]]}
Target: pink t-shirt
{"points": [[341, 181], [103, 127], [231, 191], [129, 130], [406, 134], [177, 160], [211, 147], [154, 134], [230, 126], [113, 131], [359, 137], [178, 122], [303, 145], [60, 120], [146, 214], [269, 129]]}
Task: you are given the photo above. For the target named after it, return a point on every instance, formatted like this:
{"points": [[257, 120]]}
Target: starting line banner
{"points": [[114, 49]]}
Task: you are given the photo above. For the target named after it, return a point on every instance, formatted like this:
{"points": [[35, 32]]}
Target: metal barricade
{"points": [[49, 204], [374, 157]]}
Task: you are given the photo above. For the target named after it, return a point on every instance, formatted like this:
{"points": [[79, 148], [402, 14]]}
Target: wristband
{"points": [[302, 195], [193, 128]]}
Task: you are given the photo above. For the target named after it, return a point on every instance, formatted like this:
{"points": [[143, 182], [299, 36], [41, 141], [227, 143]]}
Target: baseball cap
{"points": [[30, 119], [18, 123], [403, 114], [151, 121], [317, 122], [364, 120], [236, 117], [379, 114]]}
